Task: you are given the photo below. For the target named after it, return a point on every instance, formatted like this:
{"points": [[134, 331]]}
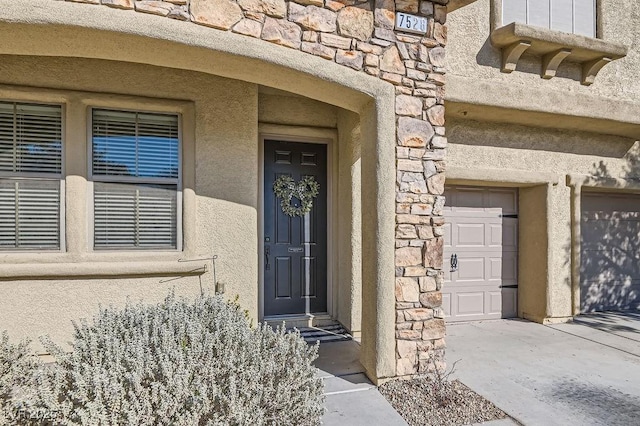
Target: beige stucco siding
{"points": [[34, 308], [349, 223], [502, 146], [470, 54], [277, 108]]}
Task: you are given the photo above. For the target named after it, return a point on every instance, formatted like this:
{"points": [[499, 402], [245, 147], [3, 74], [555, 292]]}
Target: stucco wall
{"points": [[278, 107], [470, 54], [349, 223], [226, 159]]}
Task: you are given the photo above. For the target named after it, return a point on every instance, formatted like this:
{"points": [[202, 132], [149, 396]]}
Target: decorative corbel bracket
{"points": [[551, 62], [554, 47], [591, 69], [511, 55]]}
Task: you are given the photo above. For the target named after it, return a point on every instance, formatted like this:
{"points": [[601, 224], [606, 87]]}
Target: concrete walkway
{"points": [[351, 399], [582, 373]]}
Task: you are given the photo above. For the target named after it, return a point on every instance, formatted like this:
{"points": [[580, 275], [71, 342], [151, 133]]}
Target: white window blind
{"points": [[30, 175], [135, 164], [571, 16]]}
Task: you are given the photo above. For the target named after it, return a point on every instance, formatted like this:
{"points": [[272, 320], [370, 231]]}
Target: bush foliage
{"points": [[178, 363]]}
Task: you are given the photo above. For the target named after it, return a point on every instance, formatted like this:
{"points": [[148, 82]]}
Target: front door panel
{"points": [[295, 247]]}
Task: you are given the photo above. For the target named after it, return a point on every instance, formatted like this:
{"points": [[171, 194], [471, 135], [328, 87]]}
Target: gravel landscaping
{"points": [[420, 403]]}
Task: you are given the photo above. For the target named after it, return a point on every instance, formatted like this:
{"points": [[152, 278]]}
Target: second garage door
{"points": [[610, 252], [481, 252]]}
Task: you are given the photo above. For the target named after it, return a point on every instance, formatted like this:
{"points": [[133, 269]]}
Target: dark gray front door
{"points": [[295, 247]]}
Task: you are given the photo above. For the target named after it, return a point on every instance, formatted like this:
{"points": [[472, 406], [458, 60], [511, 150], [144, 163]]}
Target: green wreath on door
{"points": [[305, 190]]}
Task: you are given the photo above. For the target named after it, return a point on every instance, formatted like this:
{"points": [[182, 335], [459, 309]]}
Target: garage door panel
{"points": [[509, 302], [494, 302], [610, 252], [447, 234], [470, 303], [485, 243], [495, 268], [467, 199], [602, 233], [505, 200], [610, 296], [614, 264], [446, 304], [470, 235], [503, 269], [509, 268], [470, 269], [510, 234]]}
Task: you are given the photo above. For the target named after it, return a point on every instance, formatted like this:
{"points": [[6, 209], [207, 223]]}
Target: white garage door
{"points": [[610, 253], [481, 253]]}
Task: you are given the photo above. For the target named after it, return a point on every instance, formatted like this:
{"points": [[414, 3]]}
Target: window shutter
{"points": [[30, 174], [135, 144], [136, 173], [585, 17], [514, 11], [562, 15], [29, 214], [539, 13], [570, 16], [130, 216], [30, 138], [7, 214]]}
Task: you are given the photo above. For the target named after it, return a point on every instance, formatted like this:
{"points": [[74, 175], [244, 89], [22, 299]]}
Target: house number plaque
{"points": [[411, 23]]}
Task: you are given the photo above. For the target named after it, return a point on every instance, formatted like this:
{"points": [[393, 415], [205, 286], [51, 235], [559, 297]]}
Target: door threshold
{"points": [[301, 320]]}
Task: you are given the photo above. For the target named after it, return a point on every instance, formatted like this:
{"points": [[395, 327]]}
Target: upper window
{"points": [[30, 175], [135, 161], [570, 16]]}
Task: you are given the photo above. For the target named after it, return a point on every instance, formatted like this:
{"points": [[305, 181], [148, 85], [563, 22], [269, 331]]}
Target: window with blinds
{"points": [[135, 168], [30, 175], [570, 16]]}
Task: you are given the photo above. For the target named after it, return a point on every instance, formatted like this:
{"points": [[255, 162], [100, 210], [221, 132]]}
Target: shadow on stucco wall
{"points": [[609, 267]]}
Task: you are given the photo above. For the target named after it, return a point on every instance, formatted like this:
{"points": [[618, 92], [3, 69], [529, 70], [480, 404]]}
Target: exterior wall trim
{"points": [[500, 177], [590, 184], [100, 35], [473, 99]]}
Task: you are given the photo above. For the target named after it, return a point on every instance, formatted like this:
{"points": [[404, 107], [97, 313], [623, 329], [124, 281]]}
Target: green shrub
{"points": [[177, 363]]}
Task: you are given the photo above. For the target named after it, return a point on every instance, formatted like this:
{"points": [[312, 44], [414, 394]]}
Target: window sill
{"points": [[101, 269], [554, 46]]}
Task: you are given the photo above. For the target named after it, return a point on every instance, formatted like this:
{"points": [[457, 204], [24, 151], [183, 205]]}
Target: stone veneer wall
{"points": [[360, 35]]}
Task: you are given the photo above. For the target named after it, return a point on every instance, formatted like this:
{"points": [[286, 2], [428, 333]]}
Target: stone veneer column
{"points": [[420, 180], [360, 35]]}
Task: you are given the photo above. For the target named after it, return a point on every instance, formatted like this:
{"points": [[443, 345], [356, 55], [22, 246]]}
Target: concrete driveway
{"points": [[581, 373]]}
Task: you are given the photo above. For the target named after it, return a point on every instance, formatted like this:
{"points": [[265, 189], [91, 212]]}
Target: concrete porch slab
{"points": [[351, 399]]}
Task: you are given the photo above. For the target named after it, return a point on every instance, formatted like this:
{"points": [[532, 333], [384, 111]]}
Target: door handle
{"points": [[267, 253], [454, 262]]}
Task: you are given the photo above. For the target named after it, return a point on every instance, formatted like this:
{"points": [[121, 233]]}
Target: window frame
{"points": [[35, 176], [91, 179]]}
